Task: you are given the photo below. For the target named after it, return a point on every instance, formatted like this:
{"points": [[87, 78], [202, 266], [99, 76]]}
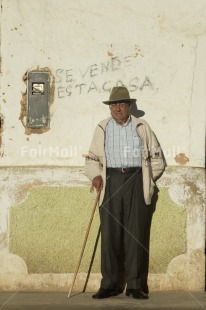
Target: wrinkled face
{"points": [[120, 112]]}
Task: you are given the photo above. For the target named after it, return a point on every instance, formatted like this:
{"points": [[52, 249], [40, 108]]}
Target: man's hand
{"points": [[97, 182]]}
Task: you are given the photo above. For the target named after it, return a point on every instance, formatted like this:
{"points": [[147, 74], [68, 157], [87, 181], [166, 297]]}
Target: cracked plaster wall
{"points": [[161, 61], [34, 213]]}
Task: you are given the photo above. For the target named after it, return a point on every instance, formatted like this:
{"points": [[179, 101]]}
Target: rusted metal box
{"points": [[38, 99]]}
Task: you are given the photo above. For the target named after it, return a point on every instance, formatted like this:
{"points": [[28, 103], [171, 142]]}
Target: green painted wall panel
{"points": [[47, 230], [168, 232]]}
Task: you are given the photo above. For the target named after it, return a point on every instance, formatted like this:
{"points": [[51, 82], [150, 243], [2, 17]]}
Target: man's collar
{"points": [[134, 119], [125, 124]]}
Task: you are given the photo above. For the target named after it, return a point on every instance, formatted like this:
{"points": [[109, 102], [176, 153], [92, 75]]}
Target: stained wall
{"points": [[156, 49]]}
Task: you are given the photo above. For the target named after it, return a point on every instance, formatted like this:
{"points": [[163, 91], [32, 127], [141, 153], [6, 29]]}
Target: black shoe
{"points": [[136, 293], [105, 293], [145, 288]]}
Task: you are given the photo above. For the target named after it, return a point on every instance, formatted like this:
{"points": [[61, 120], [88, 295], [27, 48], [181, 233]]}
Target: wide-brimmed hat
{"points": [[119, 94]]}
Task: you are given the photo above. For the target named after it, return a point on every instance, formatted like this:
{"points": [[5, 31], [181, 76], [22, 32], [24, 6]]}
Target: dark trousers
{"points": [[123, 210]]}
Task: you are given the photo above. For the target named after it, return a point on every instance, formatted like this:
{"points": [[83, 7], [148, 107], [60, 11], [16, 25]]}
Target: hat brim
{"points": [[122, 100]]}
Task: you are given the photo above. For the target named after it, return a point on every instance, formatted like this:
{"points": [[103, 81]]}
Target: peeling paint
{"points": [[181, 159], [110, 54], [1, 129], [186, 186], [23, 102], [195, 193], [23, 191], [138, 51], [44, 192]]}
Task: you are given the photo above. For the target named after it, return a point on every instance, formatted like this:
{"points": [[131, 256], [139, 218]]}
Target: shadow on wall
{"points": [[135, 112]]}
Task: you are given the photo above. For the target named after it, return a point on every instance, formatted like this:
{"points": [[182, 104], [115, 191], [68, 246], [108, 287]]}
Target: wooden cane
{"points": [[85, 240]]}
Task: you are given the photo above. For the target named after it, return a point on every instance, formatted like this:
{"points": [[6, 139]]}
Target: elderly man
{"points": [[124, 161]]}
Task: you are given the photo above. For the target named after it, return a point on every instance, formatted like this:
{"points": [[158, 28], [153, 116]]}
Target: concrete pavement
{"points": [[45, 301]]}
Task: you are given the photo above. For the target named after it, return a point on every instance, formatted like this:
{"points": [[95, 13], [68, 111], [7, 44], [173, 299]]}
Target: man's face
{"points": [[120, 112]]}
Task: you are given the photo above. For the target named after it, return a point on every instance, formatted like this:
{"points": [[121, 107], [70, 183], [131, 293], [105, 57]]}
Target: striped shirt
{"points": [[122, 145]]}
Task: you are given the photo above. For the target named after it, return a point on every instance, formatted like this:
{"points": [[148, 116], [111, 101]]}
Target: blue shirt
{"points": [[122, 145]]}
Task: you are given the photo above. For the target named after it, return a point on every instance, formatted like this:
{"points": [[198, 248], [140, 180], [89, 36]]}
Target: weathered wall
{"points": [[52, 220], [158, 52], [48, 219]]}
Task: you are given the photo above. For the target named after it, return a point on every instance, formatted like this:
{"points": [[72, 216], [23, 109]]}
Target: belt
{"points": [[125, 169]]}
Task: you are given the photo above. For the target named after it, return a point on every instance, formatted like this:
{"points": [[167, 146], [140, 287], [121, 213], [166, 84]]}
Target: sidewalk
{"points": [[78, 301]]}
